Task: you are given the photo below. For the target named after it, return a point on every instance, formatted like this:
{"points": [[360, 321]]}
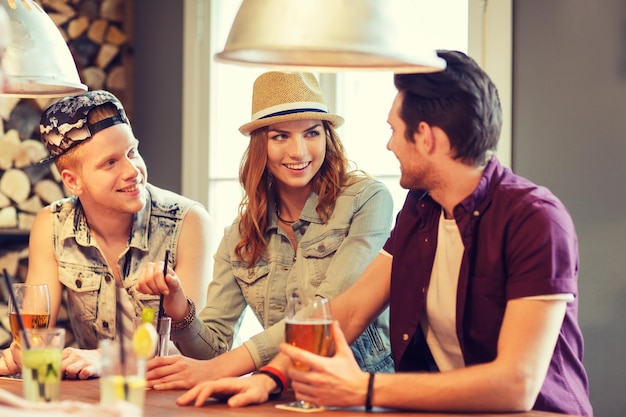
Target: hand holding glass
{"points": [[308, 326]]}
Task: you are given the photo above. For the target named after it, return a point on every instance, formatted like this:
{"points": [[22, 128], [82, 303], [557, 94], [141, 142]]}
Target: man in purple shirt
{"points": [[480, 273]]}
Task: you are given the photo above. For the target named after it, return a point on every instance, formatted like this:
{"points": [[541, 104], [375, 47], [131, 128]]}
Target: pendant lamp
{"points": [[37, 61], [330, 35]]}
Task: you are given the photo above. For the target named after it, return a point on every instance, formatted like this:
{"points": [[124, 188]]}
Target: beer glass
{"points": [[308, 326], [33, 303]]}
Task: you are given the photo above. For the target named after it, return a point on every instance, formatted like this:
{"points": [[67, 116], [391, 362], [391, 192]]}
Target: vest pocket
{"points": [[83, 288]]}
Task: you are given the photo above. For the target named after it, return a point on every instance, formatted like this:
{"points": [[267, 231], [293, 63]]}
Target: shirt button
{"points": [[321, 248], [108, 278], [423, 290], [476, 213], [78, 283], [105, 324], [405, 337], [426, 239]]}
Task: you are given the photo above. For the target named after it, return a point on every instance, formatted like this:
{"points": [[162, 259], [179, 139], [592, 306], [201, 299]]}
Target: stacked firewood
{"points": [[25, 185], [99, 36]]}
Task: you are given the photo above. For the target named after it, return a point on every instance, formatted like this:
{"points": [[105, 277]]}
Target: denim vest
{"points": [[84, 272], [329, 258]]}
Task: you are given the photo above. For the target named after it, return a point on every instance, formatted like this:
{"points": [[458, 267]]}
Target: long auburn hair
{"points": [[328, 183]]}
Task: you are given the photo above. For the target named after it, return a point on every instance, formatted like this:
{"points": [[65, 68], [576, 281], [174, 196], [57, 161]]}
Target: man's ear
{"points": [[423, 137], [72, 181]]}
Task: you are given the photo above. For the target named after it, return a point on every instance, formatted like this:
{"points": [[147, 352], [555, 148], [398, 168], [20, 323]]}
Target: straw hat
{"points": [[284, 96]]}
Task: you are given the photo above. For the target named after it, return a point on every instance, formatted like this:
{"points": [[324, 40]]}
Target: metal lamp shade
{"points": [[329, 35], [37, 62]]}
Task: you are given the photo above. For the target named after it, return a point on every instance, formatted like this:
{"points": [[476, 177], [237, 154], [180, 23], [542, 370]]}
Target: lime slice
{"points": [[147, 315], [145, 340], [40, 358]]}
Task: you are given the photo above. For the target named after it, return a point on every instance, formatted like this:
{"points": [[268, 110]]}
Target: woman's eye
{"points": [[312, 134], [279, 136]]}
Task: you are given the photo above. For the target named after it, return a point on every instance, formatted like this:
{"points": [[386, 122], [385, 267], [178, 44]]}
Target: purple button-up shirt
{"points": [[519, 241]]}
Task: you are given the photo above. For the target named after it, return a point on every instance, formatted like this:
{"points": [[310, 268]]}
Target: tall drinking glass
{"points": [[33, 303], [308, 326]]}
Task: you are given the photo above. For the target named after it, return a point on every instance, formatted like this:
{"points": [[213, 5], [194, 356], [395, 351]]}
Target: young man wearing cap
{"points": [[307, 226], [480, 275], [112, 232]]}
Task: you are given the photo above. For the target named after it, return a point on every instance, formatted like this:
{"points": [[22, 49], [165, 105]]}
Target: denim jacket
{"points": [[329, 258], [84, 271]]}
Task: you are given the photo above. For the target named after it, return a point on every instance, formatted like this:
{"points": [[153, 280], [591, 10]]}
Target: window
{"points": [[362, 98]]}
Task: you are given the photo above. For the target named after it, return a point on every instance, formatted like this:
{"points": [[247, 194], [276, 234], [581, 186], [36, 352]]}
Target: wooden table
{"points": [[163, 404]]}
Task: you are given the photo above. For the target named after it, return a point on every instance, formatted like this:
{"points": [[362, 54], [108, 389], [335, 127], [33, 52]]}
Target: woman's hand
{"points": [[176, 372], [152, 281]]}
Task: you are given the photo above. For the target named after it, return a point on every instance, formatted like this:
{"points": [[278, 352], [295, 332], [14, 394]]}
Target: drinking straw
{"points": [[120, 335], [17, 310], [161, 312]]}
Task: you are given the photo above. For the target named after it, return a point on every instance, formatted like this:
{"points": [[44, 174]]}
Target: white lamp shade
{"points": [[37, 62], [329, 35]]}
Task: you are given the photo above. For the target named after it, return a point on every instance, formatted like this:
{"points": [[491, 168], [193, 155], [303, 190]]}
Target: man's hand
{"points": [[11, 361], [80, 363], [240, 392]]}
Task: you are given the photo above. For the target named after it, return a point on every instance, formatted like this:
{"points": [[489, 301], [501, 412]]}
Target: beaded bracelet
{"points": [[277, 376], [180, 325], [370, 393]]}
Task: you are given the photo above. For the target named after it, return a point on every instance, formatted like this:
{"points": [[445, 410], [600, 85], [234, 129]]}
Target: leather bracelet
{"points": [[181, 325], [277, 376], [370, 393]]}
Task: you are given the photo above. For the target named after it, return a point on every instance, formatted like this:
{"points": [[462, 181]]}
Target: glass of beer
{"points": [[33, 303], [308, 326]]}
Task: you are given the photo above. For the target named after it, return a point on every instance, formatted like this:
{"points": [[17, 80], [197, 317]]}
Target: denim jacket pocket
{"points": [[249, 276], [323, 246], [83, 285], [318, 254]]}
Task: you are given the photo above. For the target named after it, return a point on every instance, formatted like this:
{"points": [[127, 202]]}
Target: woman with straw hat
{"points": [[306, 225]]}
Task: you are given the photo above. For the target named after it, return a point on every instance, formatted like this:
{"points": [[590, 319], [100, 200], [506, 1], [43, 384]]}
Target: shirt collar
{"points": [[308, 213]]}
